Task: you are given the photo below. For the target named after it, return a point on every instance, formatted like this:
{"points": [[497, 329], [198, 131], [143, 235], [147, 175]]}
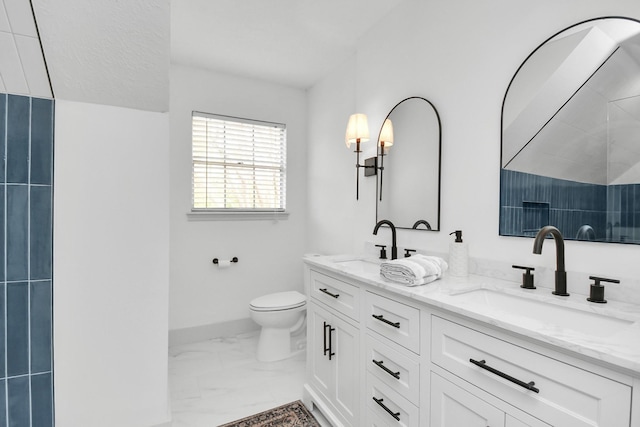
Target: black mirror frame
{"points": [[378, 155], [504, 99]]}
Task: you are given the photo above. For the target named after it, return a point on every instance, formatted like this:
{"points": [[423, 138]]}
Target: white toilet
{"points": [[279, 315]]}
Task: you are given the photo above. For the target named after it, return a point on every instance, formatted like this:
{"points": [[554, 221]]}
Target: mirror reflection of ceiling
{"points": [[561, 107]]}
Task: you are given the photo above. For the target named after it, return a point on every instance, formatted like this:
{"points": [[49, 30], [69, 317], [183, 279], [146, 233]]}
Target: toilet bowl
{"points": [[279, 315]]}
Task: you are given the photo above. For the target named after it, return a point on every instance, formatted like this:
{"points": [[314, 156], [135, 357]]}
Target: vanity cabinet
{"points": [[376, 356]]}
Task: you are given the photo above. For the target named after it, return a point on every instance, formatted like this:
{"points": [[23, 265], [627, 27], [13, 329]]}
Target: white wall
{"points": [[111, 253], [269, 251], [461, 56]]}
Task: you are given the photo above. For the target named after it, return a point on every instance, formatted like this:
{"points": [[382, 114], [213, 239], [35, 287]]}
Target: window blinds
{"points": [[238, 164]]}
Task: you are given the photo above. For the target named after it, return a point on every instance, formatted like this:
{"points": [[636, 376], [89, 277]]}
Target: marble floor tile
{"points": [[218, 381]]}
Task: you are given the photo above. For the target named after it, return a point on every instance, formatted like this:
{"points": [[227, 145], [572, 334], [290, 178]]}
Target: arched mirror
{"points": [[409, 183], [571, 136]]}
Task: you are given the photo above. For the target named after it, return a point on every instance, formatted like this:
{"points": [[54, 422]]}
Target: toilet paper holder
{"points": [[234, 259]]}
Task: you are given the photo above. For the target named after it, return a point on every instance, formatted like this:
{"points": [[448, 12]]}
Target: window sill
{"points": [[235, 216]]}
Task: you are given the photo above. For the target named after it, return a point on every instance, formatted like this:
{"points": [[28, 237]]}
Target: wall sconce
{"points": [[358, 131], [385, 141]]}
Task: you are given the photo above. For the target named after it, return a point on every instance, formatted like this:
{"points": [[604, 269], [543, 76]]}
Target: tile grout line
{"points": [[29, 263], [4, 225]]}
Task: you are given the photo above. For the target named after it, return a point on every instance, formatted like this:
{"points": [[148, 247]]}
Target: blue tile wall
{"points": [[3, 399], [18, 402], [26, 246], [17, 216], [17, 329], [18, 118]]}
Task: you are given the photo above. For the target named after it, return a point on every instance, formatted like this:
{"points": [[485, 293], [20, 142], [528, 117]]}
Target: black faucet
{"points": [[422, 221], [394, 248], [561, 274]]}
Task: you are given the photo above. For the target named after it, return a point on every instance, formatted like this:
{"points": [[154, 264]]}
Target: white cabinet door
{"points": [[345, 345], [452, 406], [333, 353], [321, 366]]}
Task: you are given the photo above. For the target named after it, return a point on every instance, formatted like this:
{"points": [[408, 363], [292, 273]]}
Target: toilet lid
{"points": [[279, 301]]}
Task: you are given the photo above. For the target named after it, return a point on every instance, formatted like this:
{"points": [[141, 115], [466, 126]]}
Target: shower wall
{"points": [[26, 153]]}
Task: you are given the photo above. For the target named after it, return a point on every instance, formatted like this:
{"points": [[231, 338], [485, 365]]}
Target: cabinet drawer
{"points": [[394, 320], [388, 408], [567, 396], [397, 370], [335, 293]]}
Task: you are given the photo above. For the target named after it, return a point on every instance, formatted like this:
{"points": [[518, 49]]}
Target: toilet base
{"points": [[274, 344]]}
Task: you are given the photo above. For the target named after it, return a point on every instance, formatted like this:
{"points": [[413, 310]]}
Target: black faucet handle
{"points": [[407, 252], [383, 251], [597, 280], [527, 277], [597, 290]]}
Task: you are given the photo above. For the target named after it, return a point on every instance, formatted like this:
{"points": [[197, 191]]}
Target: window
{"points": [[239, 165]]}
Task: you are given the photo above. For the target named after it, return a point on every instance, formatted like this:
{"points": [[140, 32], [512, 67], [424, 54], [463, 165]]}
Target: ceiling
{"points": [[117, 52], [22, 67], [110, 52], [291, 42]]}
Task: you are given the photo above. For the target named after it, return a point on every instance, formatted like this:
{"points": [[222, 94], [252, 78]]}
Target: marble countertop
{"points": [[613, 335]]}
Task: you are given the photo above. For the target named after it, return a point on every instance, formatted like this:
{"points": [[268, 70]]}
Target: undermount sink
{"points": [[360, 265], [541, 314]]}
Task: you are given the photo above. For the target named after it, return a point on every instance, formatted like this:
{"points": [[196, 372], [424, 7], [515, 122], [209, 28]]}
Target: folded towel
{"points": [[415, 270]]}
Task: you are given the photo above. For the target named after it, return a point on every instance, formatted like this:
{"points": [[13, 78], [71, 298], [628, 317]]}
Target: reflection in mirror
{"points": [[409, 185], [570, 125]]}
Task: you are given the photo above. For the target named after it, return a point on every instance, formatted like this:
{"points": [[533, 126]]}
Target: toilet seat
{"points": [[278, 301]]}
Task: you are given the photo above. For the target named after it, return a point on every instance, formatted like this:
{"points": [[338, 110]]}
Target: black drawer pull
{"points": [[382, 319], [529, 386], [387, 370], [395, 415], [329, 293]]}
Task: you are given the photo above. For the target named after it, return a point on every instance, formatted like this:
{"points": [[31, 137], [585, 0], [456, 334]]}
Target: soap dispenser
{"points": [[458, 256]]}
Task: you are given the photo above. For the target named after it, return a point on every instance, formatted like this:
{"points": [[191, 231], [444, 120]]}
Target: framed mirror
{"points": [[408, 187], [570, 153]]}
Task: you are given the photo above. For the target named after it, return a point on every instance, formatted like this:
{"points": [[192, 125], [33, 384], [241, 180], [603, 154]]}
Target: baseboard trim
{"points": [[228, 329]]}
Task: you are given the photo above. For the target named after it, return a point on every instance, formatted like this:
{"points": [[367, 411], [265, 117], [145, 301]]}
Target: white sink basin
{"points": [[360, 265], [540, 314]]}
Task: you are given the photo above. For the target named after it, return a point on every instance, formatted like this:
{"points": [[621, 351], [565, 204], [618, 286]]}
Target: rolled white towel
{"points": [[414, 271]]}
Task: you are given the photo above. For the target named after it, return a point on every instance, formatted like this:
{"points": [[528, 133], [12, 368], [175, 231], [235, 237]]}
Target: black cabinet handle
{"points": [[395, 415], [329, 293], [328, 350], [382, 319], [529, 386], [380, 364]]}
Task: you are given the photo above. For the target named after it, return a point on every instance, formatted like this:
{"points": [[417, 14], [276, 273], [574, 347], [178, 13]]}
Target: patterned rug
{"points": [[293, 414]]}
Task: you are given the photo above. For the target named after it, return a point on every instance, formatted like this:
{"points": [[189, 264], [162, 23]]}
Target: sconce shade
{"points": [[386, 134], [357, 129]]}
